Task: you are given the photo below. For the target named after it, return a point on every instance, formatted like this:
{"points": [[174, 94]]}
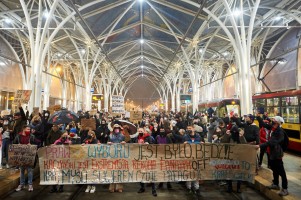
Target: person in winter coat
{"points": [[75, 139], [37, 126], [102, 132], [27, 138], [145, 138], [198, 129], [53, 135], [19, 122], [211, 128], [46, 126], [220, 132], [274, 149], [63, 140], [116, 137], [263, 138], [162, 139], [91, 139], [234, 138], [192, 137], [5, 143], [251, 130]]}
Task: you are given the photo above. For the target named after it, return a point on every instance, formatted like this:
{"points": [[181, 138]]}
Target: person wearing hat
{"points": [[274, 149], [116, 137], [75, 139]]}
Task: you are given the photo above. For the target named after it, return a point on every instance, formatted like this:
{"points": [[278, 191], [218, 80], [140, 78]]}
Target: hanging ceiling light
{"points": [[8, 20], [45, 14], [237, 12]]}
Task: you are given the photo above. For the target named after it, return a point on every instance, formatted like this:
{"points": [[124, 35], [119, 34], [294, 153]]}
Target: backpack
{"points": [[285, 142]]}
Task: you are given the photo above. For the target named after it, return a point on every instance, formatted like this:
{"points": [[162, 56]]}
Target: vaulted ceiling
{"points": [[147, 40]]}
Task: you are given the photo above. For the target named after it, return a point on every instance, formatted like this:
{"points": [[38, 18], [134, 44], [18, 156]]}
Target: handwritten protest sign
{"points": [[22, 96], [135, 115], [117, 104], [22, 155], [5, 112], [57, 107], [92, 112], [88, 123], [117, 163], [50, 109], [36, 111]]}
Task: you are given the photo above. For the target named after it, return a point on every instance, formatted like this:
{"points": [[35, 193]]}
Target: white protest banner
{"points": [[124, 163]]}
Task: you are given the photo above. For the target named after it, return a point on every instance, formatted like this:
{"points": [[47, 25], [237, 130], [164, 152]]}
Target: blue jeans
{"points": [[29, 174], [5, 144]]}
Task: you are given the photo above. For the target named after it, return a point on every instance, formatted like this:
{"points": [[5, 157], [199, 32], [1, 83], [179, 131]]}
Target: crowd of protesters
{"points": [[162, 128]]}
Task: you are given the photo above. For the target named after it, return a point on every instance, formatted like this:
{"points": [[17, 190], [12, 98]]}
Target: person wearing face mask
{"points": [[145, 138], [116, 137], [75, 139], [25, 137], [220, 132], [251, 130], [38, 129], [91, 139], [20, 120], [46, 126], [102, 132], [162, 139], [275, 151], [192, 137], [63, 140]]}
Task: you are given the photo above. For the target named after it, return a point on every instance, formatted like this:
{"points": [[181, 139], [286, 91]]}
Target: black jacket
{"points": [[251, 131], [274, 143]]}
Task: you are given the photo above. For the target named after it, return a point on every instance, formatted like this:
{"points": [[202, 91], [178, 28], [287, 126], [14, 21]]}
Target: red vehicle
{"points": [[288, 105]]}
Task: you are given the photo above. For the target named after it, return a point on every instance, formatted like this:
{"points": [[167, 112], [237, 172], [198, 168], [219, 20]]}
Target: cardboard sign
{"points": [[92, 112], [22, 96], [22, 155], [125, 163], [57, 107], [88, 123], [136, 115], [50, 109], [36, 111], [5, 112]]}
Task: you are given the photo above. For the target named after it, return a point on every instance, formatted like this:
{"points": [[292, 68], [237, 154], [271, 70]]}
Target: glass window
{"points": [[221, 111], [232, 109], [273, 111], [273, 102], [259, 103], [289, 101], [290, 114]]}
